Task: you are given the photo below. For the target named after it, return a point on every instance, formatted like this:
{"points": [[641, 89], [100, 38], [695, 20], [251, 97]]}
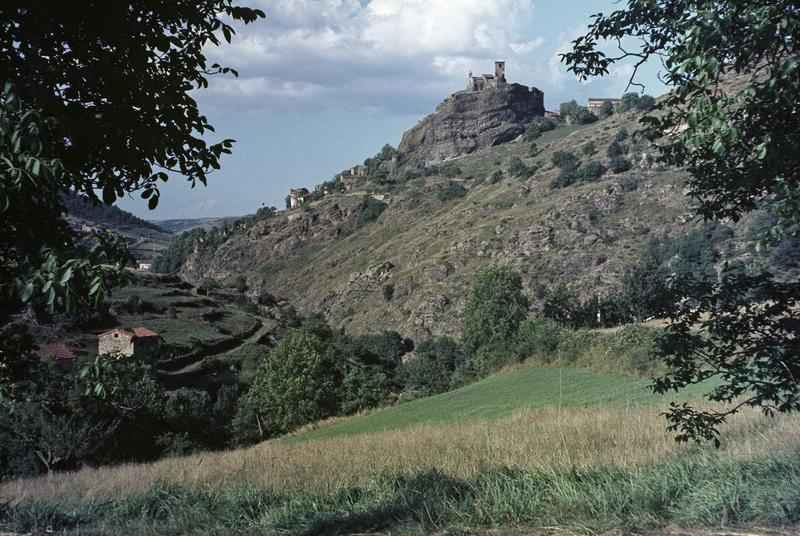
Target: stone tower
{"points": [[500, 72]]}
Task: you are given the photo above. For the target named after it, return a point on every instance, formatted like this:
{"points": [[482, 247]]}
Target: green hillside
{"points": [[524, 387]]}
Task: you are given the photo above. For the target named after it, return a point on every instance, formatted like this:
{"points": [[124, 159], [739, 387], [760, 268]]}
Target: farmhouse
{"points": [[137, 342]]}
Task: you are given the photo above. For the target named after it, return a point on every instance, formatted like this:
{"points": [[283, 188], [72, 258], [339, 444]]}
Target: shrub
{"points": [[496, 177], [589, 148], [614, 149], [619, 164], [591, 171], [452, 190], [516, 168], [646, 103], [430, 370], [627, 102], [364, 387], [266, 299], [451, 171], [207, 286], [240, 284], [606, 109], [564, 160], [537, 126], [539, 336], [388, 291], [629, 184], [576, 113], [622, 135], [370, 209], [562, 305], [494, 309]]}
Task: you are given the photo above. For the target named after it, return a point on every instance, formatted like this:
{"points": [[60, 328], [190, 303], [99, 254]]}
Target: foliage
{"points": [[494, 308], [388, 292], [537, 126], [452, 190], [731, 121], [370, 209], [576, 113], [517, 168], [496, 177], [619, 164], [606, 109], [429, 371], [297, 383], [88, 124], [591, 171], [364, 387]]}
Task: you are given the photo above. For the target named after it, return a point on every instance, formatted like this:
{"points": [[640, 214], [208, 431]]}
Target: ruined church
{"points": [[477, 83]]}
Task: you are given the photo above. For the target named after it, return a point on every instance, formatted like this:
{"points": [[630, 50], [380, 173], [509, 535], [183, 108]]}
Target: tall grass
{"points": [[627, 438], [687, 491]]}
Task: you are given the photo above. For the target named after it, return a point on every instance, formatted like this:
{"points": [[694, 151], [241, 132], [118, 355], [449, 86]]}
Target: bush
{"points": [[646, 103], [576, 113], [629, 184], [516, 168], [606, 109], [591, 171], [589, 148], [370, 209], [494, 309], [388, 292], [537, 126], [615, 149], [207, 286], [622, 135], [430, 370], [452, 190], [620, 164], [496, 177], [240, 284], [627, 102], [539, 336], [364, 387], [567, 162]]}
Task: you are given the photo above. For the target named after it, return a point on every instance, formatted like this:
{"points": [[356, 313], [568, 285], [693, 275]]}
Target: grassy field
{"points": [[523, 388], [530, 447]]}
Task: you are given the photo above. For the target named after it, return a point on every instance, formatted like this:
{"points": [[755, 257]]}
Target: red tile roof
{"points": [[56, 351], [144, 332]]}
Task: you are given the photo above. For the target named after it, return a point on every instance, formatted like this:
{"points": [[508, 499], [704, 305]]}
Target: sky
{"points": [[324, 84]]}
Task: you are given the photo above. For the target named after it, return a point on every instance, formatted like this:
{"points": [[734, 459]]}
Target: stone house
{"points": [[298, 196], [595, 104], [354, 177], [138, 342]]}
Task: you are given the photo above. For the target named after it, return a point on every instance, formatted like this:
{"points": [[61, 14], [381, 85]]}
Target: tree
{"points": [[517, 168], [494, 309], [95, 102], [297, 383], [731, 120], [627, 102], [430, 370], [606, 109]]}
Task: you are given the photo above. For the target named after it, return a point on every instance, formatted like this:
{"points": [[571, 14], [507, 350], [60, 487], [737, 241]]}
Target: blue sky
{"points": [[325, 83]]}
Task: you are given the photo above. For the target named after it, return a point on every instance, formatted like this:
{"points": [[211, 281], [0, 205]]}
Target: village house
{"points": [[143, 265], [140, 343], [354, 177], [595, 104], [298, 196]]}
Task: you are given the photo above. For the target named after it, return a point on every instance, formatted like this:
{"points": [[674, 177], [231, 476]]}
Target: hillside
{"points": [[182, 225], [145, 240], [429, 242]]}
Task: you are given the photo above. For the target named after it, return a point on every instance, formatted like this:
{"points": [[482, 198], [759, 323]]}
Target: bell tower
{"points": [[500, 72]]}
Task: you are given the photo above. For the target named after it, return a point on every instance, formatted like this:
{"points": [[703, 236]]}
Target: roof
{"points": [[604, 99], [135, 332], [144, 332], [57, 351]]}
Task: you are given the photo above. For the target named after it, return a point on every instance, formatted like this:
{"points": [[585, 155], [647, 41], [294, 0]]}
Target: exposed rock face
{"points": [[470, 120]]}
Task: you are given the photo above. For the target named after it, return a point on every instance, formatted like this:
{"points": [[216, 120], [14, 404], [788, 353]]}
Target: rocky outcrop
{"points": [[470, 120]]}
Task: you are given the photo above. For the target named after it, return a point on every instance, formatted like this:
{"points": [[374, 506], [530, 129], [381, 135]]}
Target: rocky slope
{"points": [[429, 249], [470, 120]]}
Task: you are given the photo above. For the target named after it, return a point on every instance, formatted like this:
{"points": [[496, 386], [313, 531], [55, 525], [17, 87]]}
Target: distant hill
{"points": [[182, 225], [102, 214], [145, 240]]}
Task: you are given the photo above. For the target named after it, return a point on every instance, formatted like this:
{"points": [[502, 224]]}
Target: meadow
{"points": [[508, 451]]}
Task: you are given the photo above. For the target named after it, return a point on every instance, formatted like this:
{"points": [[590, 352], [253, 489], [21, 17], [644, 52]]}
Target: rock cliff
{"points": [[470, 120]]}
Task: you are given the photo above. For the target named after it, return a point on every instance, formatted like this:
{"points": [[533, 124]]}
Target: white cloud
{"points": [[380, 53]]}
